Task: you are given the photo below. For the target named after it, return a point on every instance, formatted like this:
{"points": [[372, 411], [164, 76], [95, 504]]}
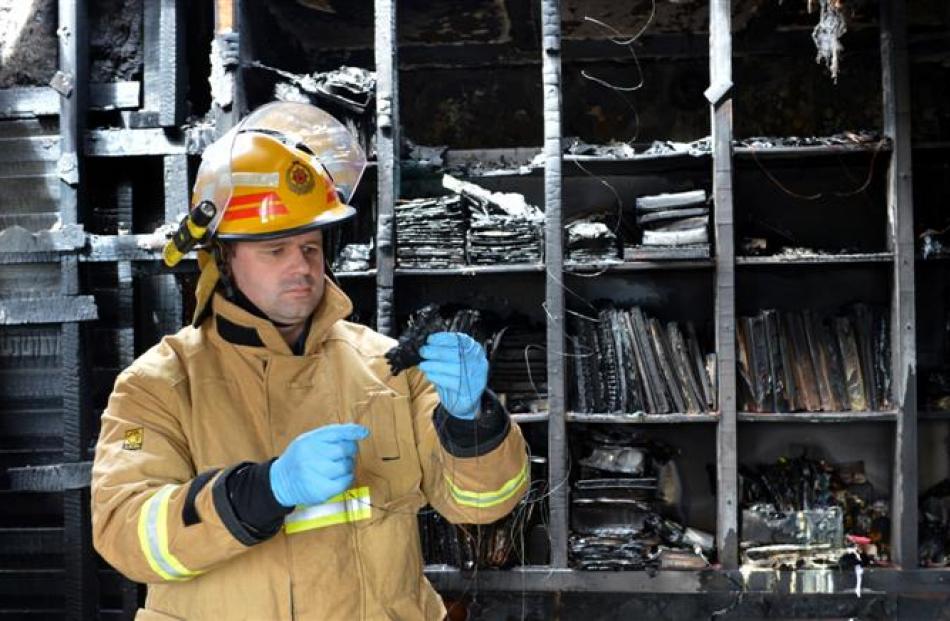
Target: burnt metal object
{"points": [[762, 524], [810, 503], [422, 323]]}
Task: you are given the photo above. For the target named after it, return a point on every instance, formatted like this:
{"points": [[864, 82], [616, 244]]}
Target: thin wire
{"points": [[811, 197], [628, 43]]}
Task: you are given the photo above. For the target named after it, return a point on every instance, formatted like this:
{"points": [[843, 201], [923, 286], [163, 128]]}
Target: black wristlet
{"points": [[471, 438], [254, 504]]}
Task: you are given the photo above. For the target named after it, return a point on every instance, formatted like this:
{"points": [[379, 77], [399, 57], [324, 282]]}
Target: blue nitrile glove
{"points": [[456, 365], [317, 465]]}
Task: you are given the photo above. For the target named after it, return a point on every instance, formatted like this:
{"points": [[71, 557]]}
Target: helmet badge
{"points": [[299, 178]]}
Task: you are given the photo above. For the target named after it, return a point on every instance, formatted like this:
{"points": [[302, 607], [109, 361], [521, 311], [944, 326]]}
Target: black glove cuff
{"points": [[253, 501], [471, 438]]}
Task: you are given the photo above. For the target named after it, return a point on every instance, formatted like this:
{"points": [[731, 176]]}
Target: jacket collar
{"points": [[238, 326]]}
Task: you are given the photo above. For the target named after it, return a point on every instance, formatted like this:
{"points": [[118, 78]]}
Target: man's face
{"points": [[282, 277]]}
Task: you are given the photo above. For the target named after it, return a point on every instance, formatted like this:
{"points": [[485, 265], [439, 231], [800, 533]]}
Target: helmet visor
{"points": [[313, 131]]}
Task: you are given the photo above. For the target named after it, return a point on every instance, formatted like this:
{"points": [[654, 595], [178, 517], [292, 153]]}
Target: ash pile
{"points": [[623, 506], [808, 513]]}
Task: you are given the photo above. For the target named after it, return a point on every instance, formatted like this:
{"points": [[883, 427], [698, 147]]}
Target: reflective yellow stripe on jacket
{"points": [[482, 500], [153, 537], [352, 505]]}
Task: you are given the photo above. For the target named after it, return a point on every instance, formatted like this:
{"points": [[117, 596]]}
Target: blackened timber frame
{"points": [[900, 216], [81, 586], [719, 94], [554, 288], [387, 149]]}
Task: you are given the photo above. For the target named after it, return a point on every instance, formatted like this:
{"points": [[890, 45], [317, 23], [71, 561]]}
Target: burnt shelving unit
{"points": [[110, 156]]}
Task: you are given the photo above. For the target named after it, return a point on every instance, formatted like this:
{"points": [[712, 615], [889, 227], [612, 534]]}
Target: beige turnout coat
{"points": [[208, 398]]}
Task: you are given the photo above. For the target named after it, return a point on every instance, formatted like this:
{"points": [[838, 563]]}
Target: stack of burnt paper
{"points": [[617, 507], [798, 361], [591, 241], [502, 228], [430, 232], [626, 362], [680, 219]]}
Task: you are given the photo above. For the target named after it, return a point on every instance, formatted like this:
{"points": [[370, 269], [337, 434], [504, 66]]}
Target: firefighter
{"points": [[263, 462]]}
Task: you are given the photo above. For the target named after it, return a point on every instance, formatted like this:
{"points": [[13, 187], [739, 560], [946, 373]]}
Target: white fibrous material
{"points": [[827, 34]]}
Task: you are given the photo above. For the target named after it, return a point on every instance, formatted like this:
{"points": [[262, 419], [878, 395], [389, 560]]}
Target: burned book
{"points": [[698, 362], [686, 218], [590, 241], [819, 358], [678, 219], [685, 372], [430, 232], [675, 201], [648, 365], [803, 368], [664, 358], [855, 389], [628, 363]]}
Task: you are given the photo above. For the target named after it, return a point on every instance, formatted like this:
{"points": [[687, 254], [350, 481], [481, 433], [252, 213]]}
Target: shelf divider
{"points": [[720, 79], [554, 292], [900, 222]]}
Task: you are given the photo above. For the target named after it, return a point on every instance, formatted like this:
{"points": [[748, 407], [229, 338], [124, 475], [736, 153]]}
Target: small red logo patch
{"points": [[299, 178]]}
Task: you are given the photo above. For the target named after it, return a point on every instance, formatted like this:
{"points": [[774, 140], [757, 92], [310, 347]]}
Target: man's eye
{"points": [[311, 249], [275, 251]]}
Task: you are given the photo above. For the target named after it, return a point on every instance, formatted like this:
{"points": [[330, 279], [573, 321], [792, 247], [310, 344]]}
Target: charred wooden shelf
{"points": [[813, 151], [582, 165], [943, 258], [816, 417], [356, 275], [712, 580], [587, 269], [640, 419], [819, 259], [932, 145], [470, 270], [530, 417], [45, 101]]}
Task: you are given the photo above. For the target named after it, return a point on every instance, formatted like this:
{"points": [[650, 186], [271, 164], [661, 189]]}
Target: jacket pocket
{"points": [[144, 614], [387, 461]]}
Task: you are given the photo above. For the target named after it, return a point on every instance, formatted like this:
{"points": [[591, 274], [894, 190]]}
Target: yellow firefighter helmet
{"points": [[286, 168]]}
